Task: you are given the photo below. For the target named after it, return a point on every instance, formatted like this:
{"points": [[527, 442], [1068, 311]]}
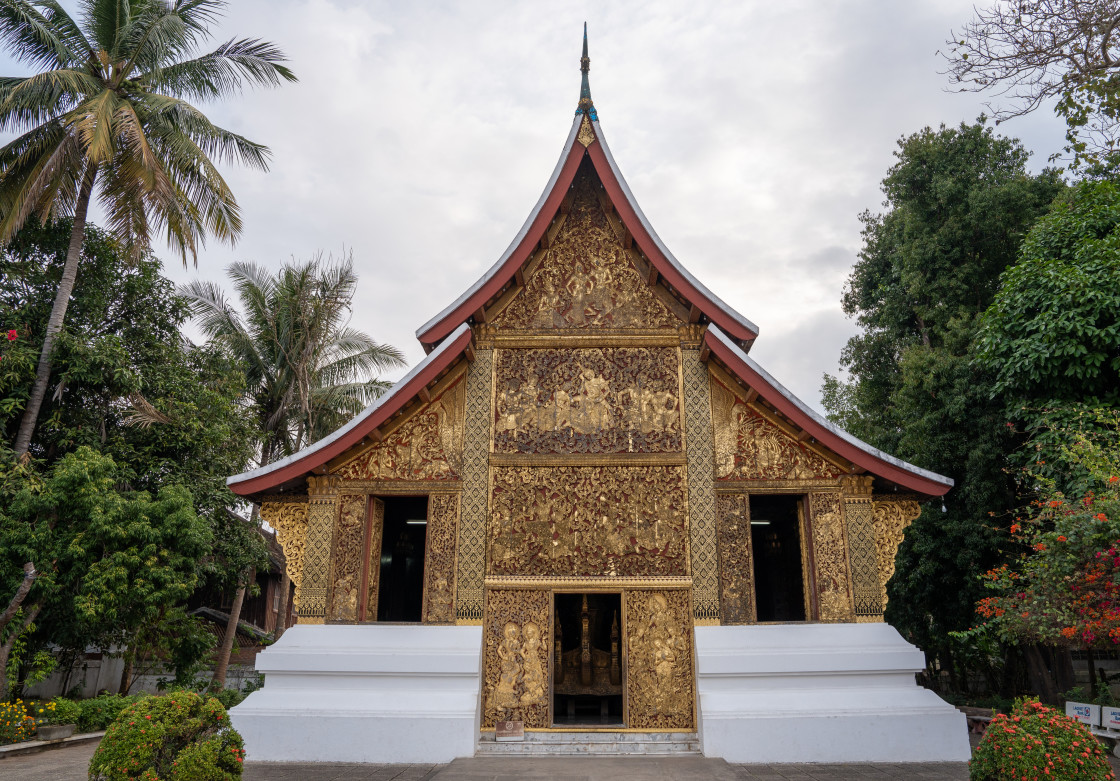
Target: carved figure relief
{"points": [[587, 521], [346, 558], [289, 519], [749, 447], [586, 280], [891, 519], [736, 560], [428, 446], [659, 660], [518, 643], [376, 531], [439, 564], [609, 400], [831, 555]]}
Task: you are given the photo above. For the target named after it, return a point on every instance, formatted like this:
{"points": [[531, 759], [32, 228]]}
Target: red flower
{"points": [[1101, 517], [12, 335], [1113, 479], [1015, 528], [1061, 538]]}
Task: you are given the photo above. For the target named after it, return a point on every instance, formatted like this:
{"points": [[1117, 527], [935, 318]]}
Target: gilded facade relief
{"points": [[587, 521], [346, 558], [471, 570], [518, 643], [439, 559], [736, 564], [428, 446], [607, 400], [659, 660], [376, 532], [891, 516], [586, 280], [830, 553], [749, 447], [701, 488], [289, 519]]}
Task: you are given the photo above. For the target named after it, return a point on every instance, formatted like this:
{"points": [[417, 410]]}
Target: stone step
{"points": [[593, 744]]}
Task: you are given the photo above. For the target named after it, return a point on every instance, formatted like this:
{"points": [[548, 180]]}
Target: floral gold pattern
{"points": [[518, 643], [476, 490], [659, 660], [321, 514], [587, 521], [346, 558], [831, 556], [439, 564], [701, 487], [612, 400], [586, 279], [736, 579], [289, 519], [891, 516]]}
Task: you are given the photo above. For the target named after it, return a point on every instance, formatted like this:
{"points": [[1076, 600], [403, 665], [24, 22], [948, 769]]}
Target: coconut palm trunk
{"points": [[58, 315], [222, 666]]}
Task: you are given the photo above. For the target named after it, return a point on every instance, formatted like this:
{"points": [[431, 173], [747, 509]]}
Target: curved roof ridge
{"points": [[805, 416], [360, 425]]}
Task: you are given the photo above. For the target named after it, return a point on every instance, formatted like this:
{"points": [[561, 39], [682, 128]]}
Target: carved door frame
{"points": [[623, 660]]}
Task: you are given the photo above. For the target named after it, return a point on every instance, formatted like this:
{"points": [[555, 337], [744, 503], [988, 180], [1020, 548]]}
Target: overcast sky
{"points": [[753, 134]]}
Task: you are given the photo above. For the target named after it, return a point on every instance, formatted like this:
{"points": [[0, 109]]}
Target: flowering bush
{"points": [[60, 711], [16, 724], [1035, 742], [99, 712], [179, 736]]}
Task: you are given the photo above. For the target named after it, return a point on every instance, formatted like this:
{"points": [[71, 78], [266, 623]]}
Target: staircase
{"points": [[592, 744]]}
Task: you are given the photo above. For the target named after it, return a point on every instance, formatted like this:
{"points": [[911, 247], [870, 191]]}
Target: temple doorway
{"points": [[776, 542], [588, 675], [400, 593]]}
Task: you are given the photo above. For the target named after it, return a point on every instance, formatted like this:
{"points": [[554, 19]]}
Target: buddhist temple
{"points": [[589, 522]]}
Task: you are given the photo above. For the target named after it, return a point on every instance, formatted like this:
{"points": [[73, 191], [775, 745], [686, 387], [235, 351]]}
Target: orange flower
{"points": [[1101, 517], [1015, 528], [1113, 479], [1039, 547], [1061, 538]]}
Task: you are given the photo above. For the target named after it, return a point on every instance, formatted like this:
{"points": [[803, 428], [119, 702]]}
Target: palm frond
{"points": [[143, 414], [42, 41], [223, 71], [32, 100]]}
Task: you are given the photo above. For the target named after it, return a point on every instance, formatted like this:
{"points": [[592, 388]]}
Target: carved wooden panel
{"points": [[736, 560], [289, 519], [587, 521], [830, 553], [586, 279], [518, 645], [749, 447], [609, 400], [659, 680], [476, 490], [701, 488], [322, 513], [892, 516], [428, 446], [439, 559], [346, 558], [373, 556]]}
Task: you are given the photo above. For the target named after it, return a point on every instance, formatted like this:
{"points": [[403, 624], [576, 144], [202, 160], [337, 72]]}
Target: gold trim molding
{"points": [[589, 584], [587, 459]]}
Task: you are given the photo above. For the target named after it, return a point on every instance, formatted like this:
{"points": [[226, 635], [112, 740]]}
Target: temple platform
{"points": [[820, 693], [378, 693]]}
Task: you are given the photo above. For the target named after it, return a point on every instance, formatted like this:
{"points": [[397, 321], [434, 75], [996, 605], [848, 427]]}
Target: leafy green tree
{"points": [[959, 201], [1034, 52], [108, 114], [308, 372]]}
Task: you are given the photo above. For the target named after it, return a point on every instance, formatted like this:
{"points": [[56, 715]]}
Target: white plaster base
{"points": [[365, 693], [820, 693]]}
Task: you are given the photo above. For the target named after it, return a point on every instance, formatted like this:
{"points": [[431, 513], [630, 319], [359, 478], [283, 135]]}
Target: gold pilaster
{"points": [[322, 510], [867, 592], [469, 589], [701, 487]]}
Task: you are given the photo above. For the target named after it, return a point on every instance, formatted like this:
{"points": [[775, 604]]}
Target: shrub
{"points": [[1034, 742], [63, 711], [15, 723], [98, 713], [175, 737]]}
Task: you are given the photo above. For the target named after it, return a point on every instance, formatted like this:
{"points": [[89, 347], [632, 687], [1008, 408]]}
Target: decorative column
{"points": [[701, 487], [867, 593], [891, 517], [289, 519], [469, 590], [322, 510]]}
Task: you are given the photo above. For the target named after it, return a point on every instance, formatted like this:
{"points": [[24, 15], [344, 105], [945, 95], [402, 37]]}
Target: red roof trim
{"points": [[734, 360], [315, 457]]}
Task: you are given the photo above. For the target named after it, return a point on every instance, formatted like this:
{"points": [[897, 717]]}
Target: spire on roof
{"points": [[586, 106]]}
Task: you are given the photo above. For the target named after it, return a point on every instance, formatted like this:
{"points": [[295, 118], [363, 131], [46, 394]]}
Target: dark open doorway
{"points": [[400, 592], [776, 540], [587, 671]]}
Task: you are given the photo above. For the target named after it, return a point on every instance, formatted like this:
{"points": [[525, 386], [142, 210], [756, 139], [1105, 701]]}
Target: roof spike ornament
{"points": [[586, 106]]}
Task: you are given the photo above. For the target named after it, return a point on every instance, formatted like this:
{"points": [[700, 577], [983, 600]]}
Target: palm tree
{"points": [[108, 115], [307, 371]]}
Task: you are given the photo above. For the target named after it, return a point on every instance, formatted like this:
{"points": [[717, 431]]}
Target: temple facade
{"points": [[592, 482]]}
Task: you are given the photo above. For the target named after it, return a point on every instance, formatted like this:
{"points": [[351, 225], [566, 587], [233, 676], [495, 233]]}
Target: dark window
{"points": [[776, 540], [400, 593]]}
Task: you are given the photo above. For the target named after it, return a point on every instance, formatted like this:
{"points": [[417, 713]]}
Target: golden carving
{"points": [[517, 646], [376, 530], [321, 513], [892, 516], [750, 447], [346, 558], [586, 279], [476, 489], [867, 591], [831, 556], [439, 564], [856, 485], [659, 660], [586, 132], [289, 519], [736, 560], [428, 446], [587, 521], [701, 487], [587, 401]]}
